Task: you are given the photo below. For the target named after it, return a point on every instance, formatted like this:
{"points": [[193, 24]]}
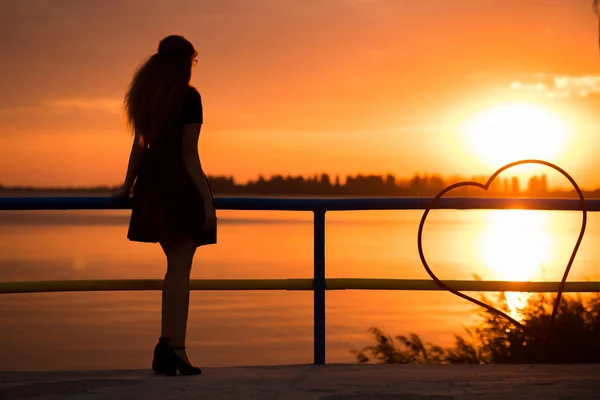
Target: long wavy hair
{"points": [[156, 92]]}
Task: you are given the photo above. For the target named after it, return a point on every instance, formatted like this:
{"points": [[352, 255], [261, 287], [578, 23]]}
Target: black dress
{"points": [[166, 202]]}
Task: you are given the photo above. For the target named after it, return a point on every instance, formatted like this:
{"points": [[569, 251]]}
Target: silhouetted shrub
{"points": [[575, 337]]}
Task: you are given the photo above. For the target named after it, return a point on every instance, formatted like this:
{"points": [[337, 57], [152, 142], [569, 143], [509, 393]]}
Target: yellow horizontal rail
{"points": [[293, 284]]}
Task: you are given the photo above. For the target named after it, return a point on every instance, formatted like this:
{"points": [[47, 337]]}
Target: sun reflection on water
{"points": [[516, 245]]}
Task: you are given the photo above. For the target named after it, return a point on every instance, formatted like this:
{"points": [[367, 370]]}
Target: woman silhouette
{"points": [[172, 200]]}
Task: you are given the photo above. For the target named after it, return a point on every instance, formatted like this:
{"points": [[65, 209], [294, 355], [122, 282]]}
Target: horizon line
{"points": [[333, 179]]}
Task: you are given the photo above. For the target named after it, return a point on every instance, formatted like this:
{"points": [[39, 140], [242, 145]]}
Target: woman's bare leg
{"points": [[176, 291]]}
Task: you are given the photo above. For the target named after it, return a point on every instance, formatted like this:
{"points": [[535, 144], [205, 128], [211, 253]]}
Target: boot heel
{"points": [[183, 367]]}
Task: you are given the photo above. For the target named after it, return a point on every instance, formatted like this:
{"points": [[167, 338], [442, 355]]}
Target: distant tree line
{"points": [[358, 185], [380, 185]]}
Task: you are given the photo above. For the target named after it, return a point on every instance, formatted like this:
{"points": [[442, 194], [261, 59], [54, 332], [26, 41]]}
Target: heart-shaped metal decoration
{"points": [[560, 289]]}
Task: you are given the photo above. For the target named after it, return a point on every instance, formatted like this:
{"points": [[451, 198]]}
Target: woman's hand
{"points": [[121, 191]]}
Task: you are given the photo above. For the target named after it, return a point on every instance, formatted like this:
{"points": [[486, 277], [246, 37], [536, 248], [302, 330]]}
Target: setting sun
{"points": [[516, 131]]}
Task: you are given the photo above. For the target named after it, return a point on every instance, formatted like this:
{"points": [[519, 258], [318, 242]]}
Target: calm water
{"points": [[109, 330]]}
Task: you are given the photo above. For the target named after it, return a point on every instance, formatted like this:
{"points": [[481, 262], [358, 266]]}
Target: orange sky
{"points": [[295, 86]]}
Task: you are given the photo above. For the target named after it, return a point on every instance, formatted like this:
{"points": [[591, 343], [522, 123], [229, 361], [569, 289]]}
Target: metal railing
{"points": [[318, 284]]}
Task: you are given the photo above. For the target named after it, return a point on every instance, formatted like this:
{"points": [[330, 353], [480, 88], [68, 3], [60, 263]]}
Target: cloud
{"points": [[558, 86], [86, 104], [71, 106], [15, 111]]}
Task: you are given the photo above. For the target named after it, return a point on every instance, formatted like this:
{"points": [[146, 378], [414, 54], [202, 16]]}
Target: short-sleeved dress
{"points": [[166, 202]]}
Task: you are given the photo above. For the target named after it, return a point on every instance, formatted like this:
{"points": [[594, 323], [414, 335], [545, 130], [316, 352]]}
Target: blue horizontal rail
{"points": [[319, 206], [311, 204]]}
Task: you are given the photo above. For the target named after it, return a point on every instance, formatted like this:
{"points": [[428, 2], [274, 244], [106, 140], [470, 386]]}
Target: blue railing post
{"points": [[319, 286]]}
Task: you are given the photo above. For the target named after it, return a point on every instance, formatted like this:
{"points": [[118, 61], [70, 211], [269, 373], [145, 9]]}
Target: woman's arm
{"points": [[191, 160], [133, 166]]}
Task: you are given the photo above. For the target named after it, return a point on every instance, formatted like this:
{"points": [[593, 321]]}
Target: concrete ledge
{"points": [[329, 382]]}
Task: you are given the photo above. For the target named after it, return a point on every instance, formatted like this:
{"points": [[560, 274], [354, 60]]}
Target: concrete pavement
{"points": [[329, 382]]}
